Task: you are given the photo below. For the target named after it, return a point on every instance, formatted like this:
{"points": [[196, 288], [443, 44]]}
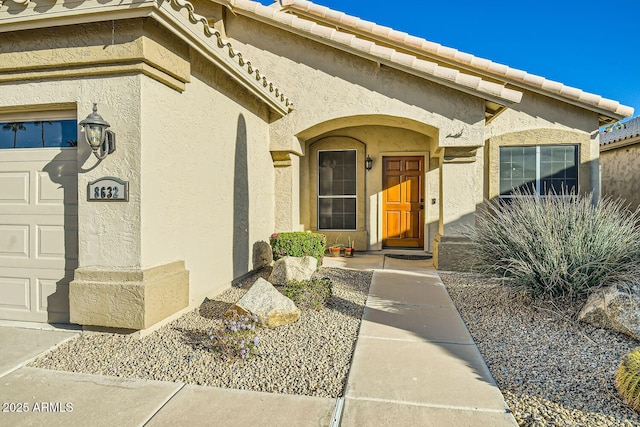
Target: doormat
{"points": [[409, 257]]}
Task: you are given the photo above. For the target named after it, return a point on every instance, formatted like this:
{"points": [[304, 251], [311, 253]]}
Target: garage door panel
{"points": [[38, 263], [40, 210], [14, 240], [14, 188], [41, 297], [62, 191], [56, 241], [41, 155], [53, 296], [38, 233], [15, 293]]}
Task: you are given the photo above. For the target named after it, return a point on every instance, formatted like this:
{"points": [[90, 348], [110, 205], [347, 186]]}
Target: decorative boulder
{"points": [[293, 268], [616, 307], [271, 307], [262, 254]]}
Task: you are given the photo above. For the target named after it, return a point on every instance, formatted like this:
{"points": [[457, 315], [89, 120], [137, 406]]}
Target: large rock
{"points": [[616, 307], [293, 268], [270, 306]]}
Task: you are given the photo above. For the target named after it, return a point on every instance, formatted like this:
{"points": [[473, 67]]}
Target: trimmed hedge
{"points": [[298, 244]]}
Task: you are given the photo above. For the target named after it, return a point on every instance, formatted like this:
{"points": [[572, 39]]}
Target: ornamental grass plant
{"points": [[558, 246]]}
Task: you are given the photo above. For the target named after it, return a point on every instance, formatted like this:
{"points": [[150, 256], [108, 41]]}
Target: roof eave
{"points": [[613, 145], [507, 98], [606, 116]]}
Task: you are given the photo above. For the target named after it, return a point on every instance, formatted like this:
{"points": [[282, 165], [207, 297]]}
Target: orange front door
{"points": [[403, 201]]}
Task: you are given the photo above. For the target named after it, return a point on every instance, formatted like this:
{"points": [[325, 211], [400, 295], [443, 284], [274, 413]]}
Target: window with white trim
{"points": [[337, 188], [541, 169], [38, 134]]}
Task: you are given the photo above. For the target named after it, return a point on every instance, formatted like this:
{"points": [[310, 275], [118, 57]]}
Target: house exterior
{"points": [[620, 161], [234, 120]]}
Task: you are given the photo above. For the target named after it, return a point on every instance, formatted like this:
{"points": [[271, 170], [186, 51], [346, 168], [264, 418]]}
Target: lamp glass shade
{"points": [[94, 135]]}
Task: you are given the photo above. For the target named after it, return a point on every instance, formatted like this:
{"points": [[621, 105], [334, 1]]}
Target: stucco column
{"points": [[287, 191], [460, 193], [111, 287]]}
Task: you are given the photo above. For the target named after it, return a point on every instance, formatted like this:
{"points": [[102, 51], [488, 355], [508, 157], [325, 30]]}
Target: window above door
{"points": [[38, 134]]}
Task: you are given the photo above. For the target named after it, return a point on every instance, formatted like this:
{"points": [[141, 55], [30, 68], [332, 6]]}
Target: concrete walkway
{"points": [[415, 364]]}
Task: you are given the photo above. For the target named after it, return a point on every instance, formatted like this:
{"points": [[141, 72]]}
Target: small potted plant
{"points": [[335, 249], [348, 250]]}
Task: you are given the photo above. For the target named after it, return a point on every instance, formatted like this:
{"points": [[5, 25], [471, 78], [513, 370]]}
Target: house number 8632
{"points": [[105, 192], [108, 189]]}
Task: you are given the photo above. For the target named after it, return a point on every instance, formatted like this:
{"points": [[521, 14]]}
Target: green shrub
{"points": [[312, 294], [628, 378], [558, 246], [298, 244]]}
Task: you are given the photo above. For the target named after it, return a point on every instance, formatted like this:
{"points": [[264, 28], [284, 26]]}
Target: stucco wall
{"points": [[391, 112], [326, 84], [540, 120], [621, 173], [376, 141], [193, 146], [207, 178], [107, 235]]}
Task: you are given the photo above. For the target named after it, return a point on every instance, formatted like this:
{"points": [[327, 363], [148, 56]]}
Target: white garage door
{"points": [[38, 232]]}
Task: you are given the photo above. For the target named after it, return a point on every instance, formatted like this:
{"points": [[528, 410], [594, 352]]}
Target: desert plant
{"points": [[628, 378], [298, 244], [312, 294], [237, 337], [558, 246]]}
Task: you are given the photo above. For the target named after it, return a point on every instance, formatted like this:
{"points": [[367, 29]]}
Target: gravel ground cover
{"points": [[309, 357], [551, 369]]}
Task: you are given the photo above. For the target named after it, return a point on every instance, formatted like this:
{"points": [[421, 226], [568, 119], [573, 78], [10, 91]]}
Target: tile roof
{"points": [[208, 39], [460, 59], [620, 132], [268, 88], [407, 62]]}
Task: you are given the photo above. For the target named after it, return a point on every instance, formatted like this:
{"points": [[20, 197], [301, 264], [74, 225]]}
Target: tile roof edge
{"points": [[619, 132], [423, 46], [444, 75], [276, 98]]}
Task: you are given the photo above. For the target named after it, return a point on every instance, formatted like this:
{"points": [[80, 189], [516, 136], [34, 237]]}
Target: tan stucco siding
{"points": [[375, 141], [97, 49], [540, 120], [207, 178], [104, 238], [621, 173], [537, 111], [327, 84]]}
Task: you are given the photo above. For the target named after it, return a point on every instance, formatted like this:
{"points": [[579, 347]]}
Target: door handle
{"points": [[421, 206]]}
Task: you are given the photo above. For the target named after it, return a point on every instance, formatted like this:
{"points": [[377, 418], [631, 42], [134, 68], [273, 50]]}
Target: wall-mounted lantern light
{"points": [[368, 163], [101, 140]]}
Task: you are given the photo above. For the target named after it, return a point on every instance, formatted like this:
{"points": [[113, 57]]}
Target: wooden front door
{"points": [[403, 201]]}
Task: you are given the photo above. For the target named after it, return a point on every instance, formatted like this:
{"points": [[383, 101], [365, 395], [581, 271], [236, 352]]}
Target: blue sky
{"points": [[588, 44]]}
